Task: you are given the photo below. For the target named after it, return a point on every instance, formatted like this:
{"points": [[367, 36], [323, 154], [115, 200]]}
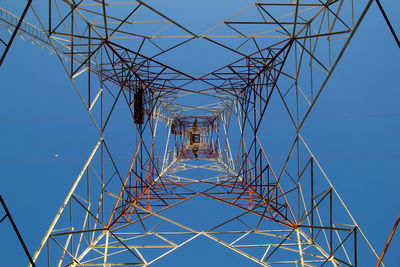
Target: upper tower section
{"points": [[195, 137]]}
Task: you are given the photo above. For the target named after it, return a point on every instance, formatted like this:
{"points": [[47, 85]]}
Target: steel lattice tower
{"points": [[199, 135]]}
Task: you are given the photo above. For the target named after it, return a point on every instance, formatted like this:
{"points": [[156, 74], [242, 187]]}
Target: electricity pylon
{"points": [[199, 135]]}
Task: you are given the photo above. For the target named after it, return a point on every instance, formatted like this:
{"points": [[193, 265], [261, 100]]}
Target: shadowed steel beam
{"points": [[16, 231], [15, 31], [388, 23]]}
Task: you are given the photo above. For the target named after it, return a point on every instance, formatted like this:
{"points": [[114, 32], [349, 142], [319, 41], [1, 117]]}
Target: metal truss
{"points": [[199, 135]]}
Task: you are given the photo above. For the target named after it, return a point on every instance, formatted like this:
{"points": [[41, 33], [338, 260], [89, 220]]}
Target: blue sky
{"points": [[353, 131]]}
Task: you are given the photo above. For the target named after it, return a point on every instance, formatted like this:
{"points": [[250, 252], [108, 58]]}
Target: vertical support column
{"points": [[330, 222], [89, 61], [72, 41], [49, 17], [355, 246], [312, 199]]}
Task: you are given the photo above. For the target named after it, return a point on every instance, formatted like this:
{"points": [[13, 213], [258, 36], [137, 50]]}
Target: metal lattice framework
{"points": [[199, 135]]}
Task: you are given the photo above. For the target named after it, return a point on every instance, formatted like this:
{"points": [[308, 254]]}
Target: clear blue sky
{"points": [[353, 131]]}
